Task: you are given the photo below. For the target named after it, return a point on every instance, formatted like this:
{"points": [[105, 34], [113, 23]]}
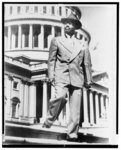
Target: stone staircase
{"points": [[21, 134]]}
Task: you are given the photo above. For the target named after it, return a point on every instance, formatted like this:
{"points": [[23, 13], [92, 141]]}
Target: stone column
{"points": [[107, 107], [56, 10], [8, 96], [62, 31], [53, 31], [21, 97], [6, 42], [5, 85], [85, 106], [9, 37], [91, 108], [102, 106], [30, 36], [5, 95], [13, 40], [26, 99], [19, 36], [17, 110], [49, 40], [49, 10], [63, 11], [32, 102], [97, 107], [45, 102], [23, 39]]}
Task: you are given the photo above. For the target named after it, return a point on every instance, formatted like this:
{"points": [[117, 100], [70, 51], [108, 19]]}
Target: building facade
{"points": [[28, 30]]}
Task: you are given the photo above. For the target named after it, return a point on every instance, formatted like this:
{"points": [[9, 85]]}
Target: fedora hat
{"points": [[74, 19], [75, 10]]}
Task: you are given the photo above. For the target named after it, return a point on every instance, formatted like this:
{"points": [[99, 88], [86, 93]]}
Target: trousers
{"points": [[57, 103]]}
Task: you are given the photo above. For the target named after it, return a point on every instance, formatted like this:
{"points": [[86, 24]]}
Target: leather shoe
{"points": [[72, 139], [45, 126]]}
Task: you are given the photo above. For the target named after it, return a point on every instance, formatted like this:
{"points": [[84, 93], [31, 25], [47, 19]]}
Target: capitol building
{"points": [[28, 30]]}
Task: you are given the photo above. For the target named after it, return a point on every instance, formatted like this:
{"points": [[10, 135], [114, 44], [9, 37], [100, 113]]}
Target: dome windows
{"points": [[18, 9], [11, 10], [44, 9], [53, 10]]}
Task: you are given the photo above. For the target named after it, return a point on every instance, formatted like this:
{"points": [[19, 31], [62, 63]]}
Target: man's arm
{"points": [[52, 59], [87, 68]]}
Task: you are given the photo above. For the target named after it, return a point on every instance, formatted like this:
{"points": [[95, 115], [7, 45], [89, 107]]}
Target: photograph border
{"points": [[117, 76]]}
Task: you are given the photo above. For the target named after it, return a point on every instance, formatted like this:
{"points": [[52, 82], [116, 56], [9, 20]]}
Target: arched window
{"points": [[15, 106]]}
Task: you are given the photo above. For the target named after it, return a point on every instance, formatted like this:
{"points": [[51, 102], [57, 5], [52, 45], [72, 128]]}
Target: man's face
{"points": [[69, 28]]}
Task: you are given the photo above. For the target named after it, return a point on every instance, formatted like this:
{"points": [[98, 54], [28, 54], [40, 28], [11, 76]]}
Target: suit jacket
{"points": [[69, 64]]}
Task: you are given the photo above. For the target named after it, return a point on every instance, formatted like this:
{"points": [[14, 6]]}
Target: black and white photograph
{"points": [[60, 74]]}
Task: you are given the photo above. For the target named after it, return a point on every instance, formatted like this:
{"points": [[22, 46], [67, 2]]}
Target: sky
{"points": [[100, 21]]}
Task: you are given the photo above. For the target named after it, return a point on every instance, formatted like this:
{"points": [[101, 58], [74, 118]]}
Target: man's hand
{"points": [[87, 85], [52, 81]]}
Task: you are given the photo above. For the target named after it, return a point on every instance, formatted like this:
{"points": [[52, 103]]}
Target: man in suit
{"points": [[69, 69]]}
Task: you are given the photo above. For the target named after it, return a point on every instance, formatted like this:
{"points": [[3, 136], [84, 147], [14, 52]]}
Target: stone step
{"points": [[36, 141], [38, 135]]}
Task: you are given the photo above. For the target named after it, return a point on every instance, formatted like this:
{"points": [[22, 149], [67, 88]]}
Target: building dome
{"points": [[29, 29]]}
